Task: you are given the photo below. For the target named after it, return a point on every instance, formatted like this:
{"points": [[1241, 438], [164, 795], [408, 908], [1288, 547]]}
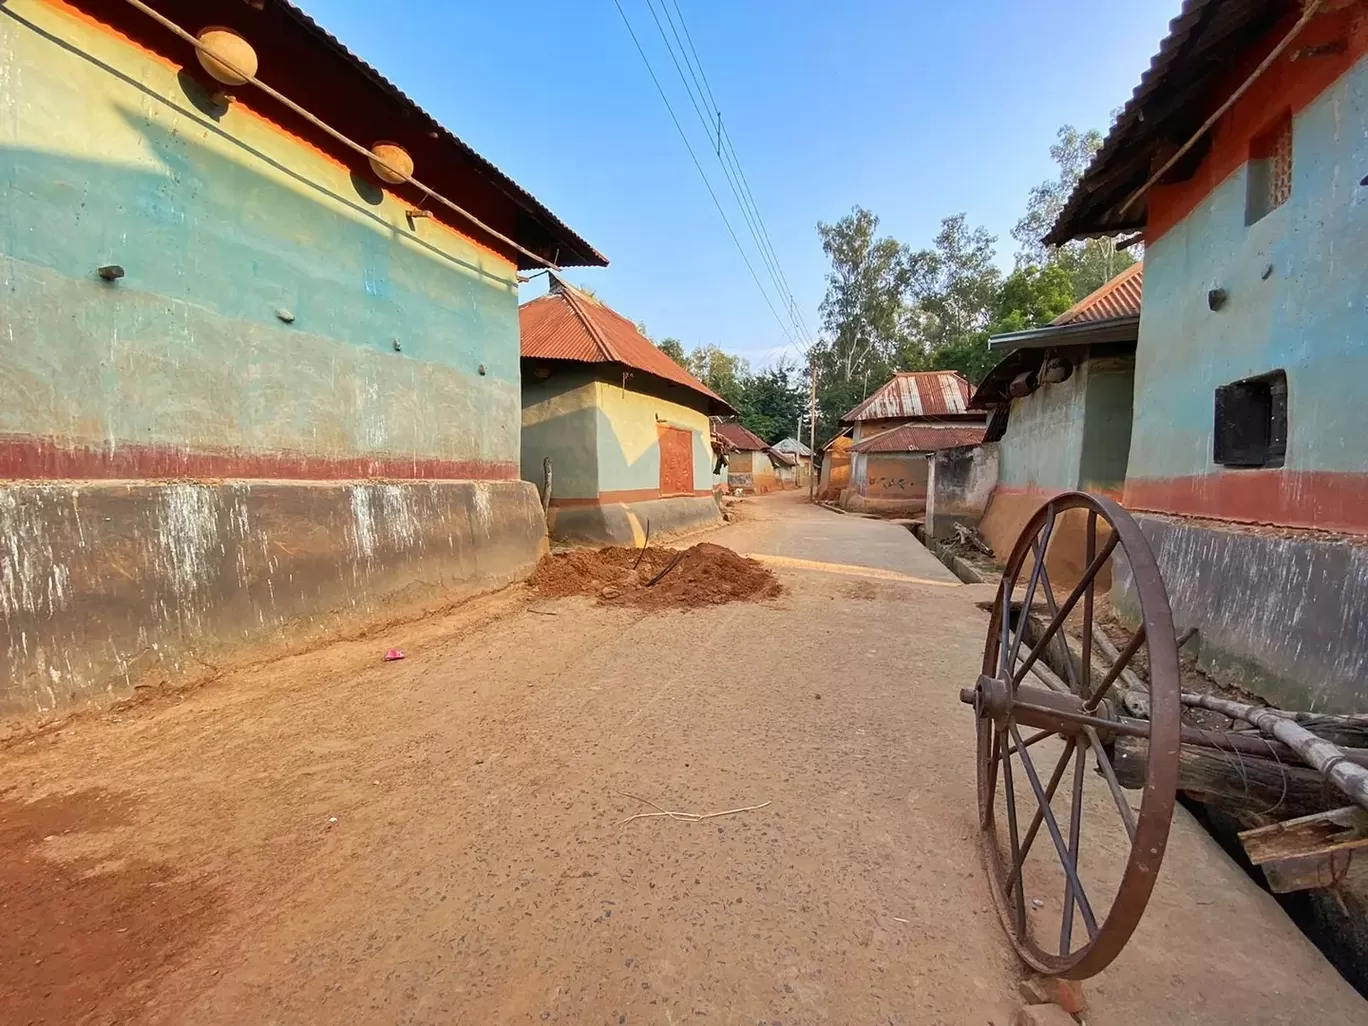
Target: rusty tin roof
{"points": [[1173, 98], [741, 437], [1118, 298], [922, 438], [567, 324], [915, 394]]}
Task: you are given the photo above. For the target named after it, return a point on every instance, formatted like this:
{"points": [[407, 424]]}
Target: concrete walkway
{"points": [[330, 839]]}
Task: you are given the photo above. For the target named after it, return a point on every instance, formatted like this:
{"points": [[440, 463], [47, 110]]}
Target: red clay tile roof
{"points": [[741, 437], [566, 324], [915, 394], [921, 438], [1118, 298]]}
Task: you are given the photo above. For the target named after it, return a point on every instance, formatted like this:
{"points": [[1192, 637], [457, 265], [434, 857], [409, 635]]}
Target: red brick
{"points": [[1045, 990]]}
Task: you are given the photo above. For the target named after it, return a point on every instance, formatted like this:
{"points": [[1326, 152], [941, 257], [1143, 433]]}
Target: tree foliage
{"points": [[674, 349], [890, 307]]}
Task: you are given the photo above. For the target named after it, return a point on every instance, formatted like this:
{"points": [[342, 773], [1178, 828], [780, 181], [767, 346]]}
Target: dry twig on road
{"points": [[687, 817]]}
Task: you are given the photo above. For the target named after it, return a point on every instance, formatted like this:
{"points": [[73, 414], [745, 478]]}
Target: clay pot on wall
{"points": [[396, 157], [231, 49]]}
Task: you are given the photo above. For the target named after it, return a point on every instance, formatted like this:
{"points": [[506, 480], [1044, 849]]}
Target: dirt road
{"points": [[332, 839]]}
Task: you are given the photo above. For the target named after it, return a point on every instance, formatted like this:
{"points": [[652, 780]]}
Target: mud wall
{"points": [[959, 484], [1279, 612], [181, 449], [112, 586]]}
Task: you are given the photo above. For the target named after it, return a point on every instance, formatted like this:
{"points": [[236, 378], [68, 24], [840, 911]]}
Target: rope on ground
{"points": [[687, 817]]}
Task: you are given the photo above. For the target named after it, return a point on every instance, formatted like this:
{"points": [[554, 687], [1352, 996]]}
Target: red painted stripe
{"points": [[1288, 86], [1321, 500], [29, 458], [628, 496]]}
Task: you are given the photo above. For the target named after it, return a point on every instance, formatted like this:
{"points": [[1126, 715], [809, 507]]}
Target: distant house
{"points": [[750, 467], [911, 415], [1060, 400], [835, 472], [625, 427], [802, 457]]}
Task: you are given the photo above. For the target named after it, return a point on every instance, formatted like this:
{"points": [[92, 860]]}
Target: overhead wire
{"points": [[701, 173], [726, 153], [696, 101]]}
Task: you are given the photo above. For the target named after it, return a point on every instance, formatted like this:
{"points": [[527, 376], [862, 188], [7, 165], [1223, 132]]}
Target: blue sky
{"points": [[913, 108]]}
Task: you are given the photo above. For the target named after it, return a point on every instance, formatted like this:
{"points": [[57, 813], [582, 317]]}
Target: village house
{"points": [[258, 384], [799, 459], [912, 414], [834, 475], [1246, 464], [751, 467], [1060, 401], [625, 427]]}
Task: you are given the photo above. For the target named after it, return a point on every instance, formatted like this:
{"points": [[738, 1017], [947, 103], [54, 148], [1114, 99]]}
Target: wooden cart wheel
{"points": [[1070, 901]]}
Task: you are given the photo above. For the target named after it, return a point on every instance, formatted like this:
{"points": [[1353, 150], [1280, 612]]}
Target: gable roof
{"points": [[792, 445], [922, 438], [567, 324], [1205, 41], [1118, 298], [915, 394], [315, 70], [740, 437]]}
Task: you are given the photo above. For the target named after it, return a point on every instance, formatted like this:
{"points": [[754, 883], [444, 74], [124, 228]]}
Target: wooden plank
{"points": [[1314, 872], [1243, 784], [1340, 829]]}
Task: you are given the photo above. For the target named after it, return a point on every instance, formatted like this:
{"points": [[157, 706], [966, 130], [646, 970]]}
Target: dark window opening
{"points": [[997, 423], [1251, 422]]}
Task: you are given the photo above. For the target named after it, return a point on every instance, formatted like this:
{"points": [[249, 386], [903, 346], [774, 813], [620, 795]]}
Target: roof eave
{"points": [[574, 250], [1116, 329]]}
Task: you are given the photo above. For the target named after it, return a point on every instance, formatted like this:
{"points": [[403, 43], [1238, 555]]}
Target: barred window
{"points": [[1270, 170]]}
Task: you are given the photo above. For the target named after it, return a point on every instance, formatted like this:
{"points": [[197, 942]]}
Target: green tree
{"points": [[954, 296], [724, 373], [772, 400], [1090, 263], [674, 349], [1032, 297], [863, 314]]}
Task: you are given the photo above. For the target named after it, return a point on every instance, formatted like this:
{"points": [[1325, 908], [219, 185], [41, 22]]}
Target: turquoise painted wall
{"points": [[560, 419], [1308, 317], [628, 441], [1043, 446], [220, 222]]}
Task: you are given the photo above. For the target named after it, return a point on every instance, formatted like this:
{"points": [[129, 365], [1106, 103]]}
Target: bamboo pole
{"points": [[1319, 754]]}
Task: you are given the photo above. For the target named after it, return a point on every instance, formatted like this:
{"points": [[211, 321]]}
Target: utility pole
{"points": [[812, 433]]}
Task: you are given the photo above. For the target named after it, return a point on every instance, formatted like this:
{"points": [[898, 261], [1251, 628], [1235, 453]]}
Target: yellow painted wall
{"points": [[628, 439]]}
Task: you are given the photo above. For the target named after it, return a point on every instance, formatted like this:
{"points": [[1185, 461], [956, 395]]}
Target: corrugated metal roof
{"points": [[915, 394], [567, 324], [740, 437], [575, 249], [1173, 98], [786, 458], [793, 445], [922, 438], [1118, 298]]}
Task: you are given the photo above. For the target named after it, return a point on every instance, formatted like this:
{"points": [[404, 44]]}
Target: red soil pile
{"points": [[705, 575]]}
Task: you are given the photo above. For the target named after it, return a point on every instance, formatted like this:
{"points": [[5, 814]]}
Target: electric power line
{"points": [[724, 144], [699, 167], [696, 101]]}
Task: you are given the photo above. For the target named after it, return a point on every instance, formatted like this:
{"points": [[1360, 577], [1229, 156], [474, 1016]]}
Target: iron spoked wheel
{"points": [[1071, 899]]}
